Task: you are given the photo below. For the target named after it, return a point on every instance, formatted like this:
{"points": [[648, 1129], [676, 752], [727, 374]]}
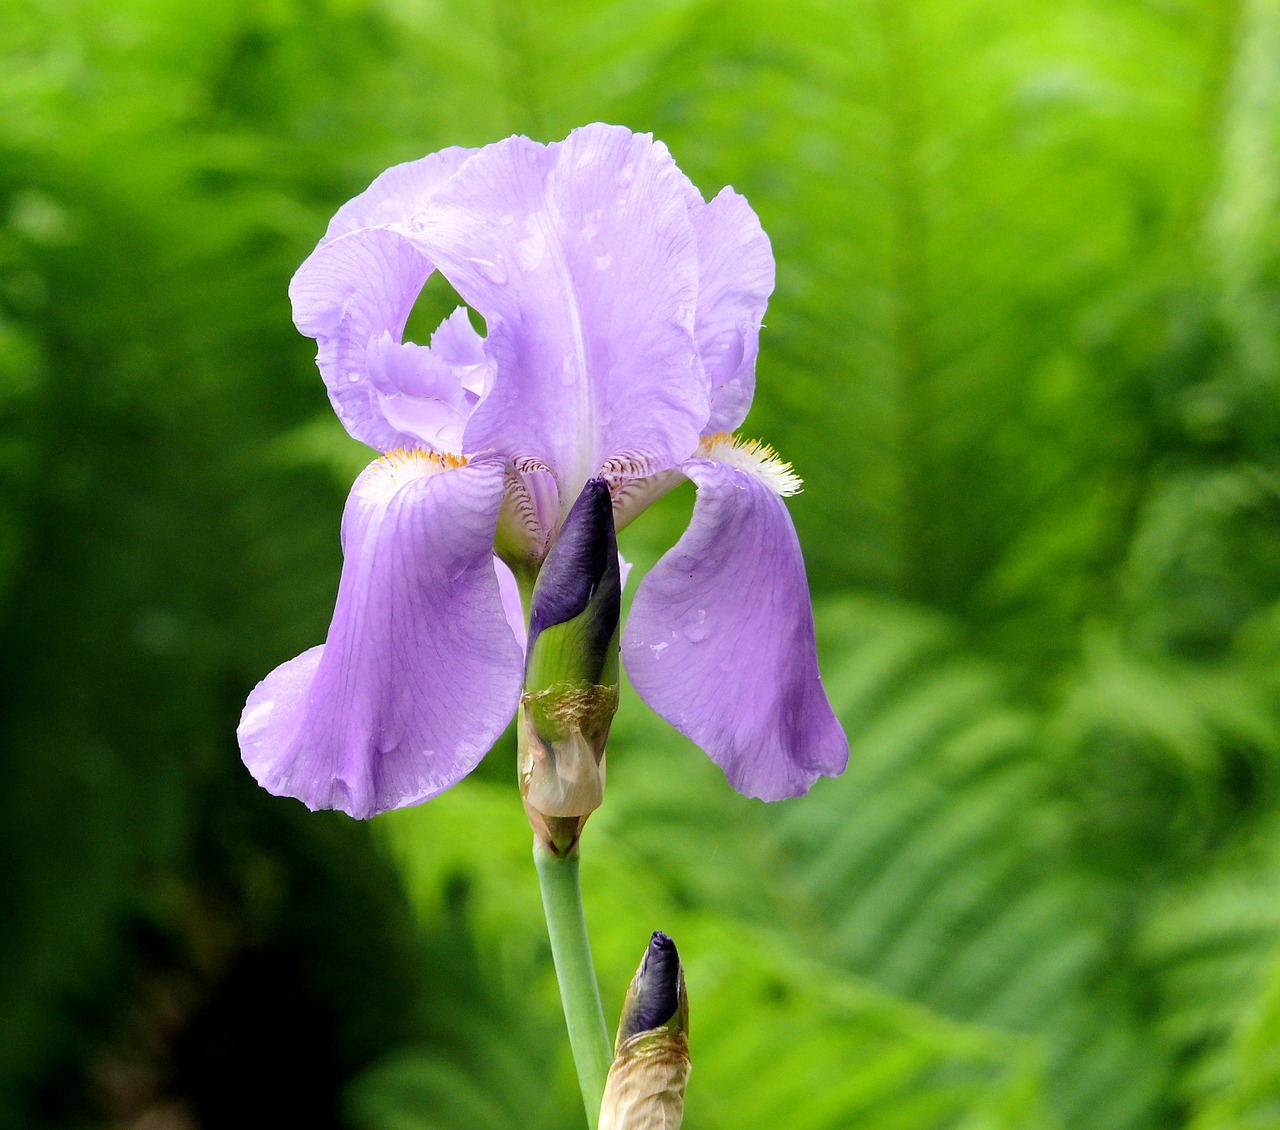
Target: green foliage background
{"points": [[1025, 351]]}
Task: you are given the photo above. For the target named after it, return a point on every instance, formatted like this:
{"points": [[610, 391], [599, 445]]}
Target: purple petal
{"points": [[720, 640], [354, 295], [582, 259], [398, 194], [349, 293], [512, 606], [356, 292], [735, 265], [457, 343], [429, 393], [420, 672]]}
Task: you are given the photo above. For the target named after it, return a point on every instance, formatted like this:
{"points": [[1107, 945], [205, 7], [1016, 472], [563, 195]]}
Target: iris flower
{"points": [[622, 317]]}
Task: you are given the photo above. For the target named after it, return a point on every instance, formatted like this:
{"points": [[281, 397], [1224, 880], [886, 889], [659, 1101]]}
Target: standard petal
{"points": [[420, 672], [457, 343], [735, 267], [430, 392], [354, 295], [348, 294], [398, 194], [720, 640], [582, 259]]}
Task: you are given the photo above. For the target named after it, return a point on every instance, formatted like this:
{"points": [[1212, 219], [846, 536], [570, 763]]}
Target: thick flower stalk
{"points": [[622, 317]]}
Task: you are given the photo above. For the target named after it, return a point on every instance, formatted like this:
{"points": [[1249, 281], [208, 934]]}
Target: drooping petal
{"points": [[735, 267], [398, 194], [720, 640], [582, 259], [420, 671]]}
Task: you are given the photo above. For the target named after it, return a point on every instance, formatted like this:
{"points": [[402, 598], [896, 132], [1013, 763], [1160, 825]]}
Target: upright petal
{"points": [[582, 259], [354, 295], [398, 194], [349, 293], [359, 290], [720, 640], [430, 392], [420, 671], [735, 266]]}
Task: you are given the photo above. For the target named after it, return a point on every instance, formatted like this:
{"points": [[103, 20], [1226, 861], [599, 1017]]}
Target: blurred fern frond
{"points": [[781, 1036], [1024, 352]]}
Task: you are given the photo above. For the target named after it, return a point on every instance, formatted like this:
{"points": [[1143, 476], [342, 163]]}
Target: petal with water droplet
{"points": [[420, 672], [735, 279], [589, 363], [720, 640]]}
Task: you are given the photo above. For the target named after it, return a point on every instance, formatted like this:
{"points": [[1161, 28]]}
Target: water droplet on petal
{"points": [[626, 174], [496, 273], [389, 736], [696, 628], [260, 713], [353, 376], [531, 249], [604, 262]]}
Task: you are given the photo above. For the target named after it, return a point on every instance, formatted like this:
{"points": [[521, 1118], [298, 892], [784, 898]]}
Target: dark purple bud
{"points": [[573, 621], [650, 1071], [656, 991]]}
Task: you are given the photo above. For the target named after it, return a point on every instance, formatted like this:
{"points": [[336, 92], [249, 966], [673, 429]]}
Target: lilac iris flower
{"points": [[623, 317]]}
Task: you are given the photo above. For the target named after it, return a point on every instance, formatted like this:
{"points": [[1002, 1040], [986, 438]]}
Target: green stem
{"points": [[562, 901]]}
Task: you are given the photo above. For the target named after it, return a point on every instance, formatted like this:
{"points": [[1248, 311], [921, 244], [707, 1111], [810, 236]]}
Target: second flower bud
{"points": [[571, 672]]}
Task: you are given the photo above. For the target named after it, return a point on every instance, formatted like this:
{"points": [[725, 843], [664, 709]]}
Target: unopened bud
{"points": [[571, 673], [646, 1085]]}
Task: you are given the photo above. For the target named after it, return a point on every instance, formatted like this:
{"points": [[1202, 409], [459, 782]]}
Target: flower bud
{"points": [[646, 1085], [571, 672]]}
